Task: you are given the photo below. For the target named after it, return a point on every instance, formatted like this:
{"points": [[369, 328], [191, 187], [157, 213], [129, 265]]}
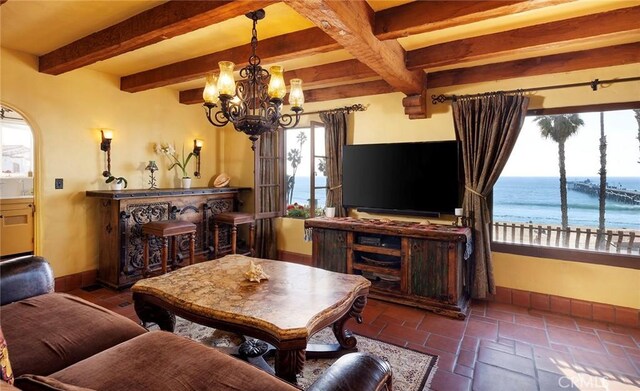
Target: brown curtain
{"points": [[266, 245], [487, 127], [335, 137]]}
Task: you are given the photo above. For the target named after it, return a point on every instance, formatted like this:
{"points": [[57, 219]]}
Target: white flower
{"points": [[176, 161]]}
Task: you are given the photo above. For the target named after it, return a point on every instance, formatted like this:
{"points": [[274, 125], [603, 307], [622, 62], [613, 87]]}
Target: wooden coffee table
{"points": [[285, 311]]}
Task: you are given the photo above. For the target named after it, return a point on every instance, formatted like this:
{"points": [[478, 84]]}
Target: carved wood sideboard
{"points": [[406, 262], [122, 214]]}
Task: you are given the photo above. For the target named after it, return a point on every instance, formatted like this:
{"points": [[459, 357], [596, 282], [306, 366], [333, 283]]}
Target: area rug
{"points": [[412, 371]]}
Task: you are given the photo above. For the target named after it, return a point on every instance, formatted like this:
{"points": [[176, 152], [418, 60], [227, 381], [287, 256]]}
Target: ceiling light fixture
{"points": [[253, 104]]}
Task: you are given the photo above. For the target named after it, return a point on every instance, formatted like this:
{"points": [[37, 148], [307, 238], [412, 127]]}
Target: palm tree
{"points": [[559, 128], [602, 195], [294, 156]]}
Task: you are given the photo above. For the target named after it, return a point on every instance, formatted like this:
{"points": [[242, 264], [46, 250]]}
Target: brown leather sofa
{"points": [[61, 342]]}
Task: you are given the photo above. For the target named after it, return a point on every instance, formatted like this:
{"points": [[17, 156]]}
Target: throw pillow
{"points": [[5, 365]]}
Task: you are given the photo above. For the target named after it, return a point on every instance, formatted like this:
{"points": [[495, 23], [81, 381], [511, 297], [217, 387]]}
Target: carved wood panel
{"points": [[133, 218], [121, 221]]}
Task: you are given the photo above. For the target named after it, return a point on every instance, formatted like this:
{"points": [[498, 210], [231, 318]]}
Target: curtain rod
{"points": [[435, 99], [347, 109]]}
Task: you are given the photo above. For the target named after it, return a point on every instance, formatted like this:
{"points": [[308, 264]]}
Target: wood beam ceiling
{"points": [[279, 48], [154, 25], [369, 37], [424, 16], [316, 42], [621, 23]]}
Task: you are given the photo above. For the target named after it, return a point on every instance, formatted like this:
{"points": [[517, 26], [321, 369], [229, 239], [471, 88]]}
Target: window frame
{"points": [[258, 186], [629, 261]]}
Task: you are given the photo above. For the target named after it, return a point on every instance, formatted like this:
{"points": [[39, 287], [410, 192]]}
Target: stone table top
{"points": [[290, 305]]}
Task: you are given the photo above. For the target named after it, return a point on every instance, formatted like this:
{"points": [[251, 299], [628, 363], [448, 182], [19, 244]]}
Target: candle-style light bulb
{"points": [[226, 82], [210, 93], [296, 96], [277, 89]]}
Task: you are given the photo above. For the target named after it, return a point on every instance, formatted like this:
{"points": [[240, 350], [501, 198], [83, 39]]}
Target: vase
{"points": [[186, 183], [330, 211], [116, 186]]}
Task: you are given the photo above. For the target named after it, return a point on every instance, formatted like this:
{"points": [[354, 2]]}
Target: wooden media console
{"points": [[416, 264]]}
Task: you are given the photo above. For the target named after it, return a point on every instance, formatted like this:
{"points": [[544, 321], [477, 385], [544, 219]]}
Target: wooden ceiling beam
{"points": [[424, 16], [618, 23], [275, 49], [375, 87], [557, 63], [337, 72], [154, 25], [350, 23], [348, 91]]}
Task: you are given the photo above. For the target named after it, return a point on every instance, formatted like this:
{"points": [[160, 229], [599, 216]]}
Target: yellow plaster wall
{"points": [[66, 113], [384, 121], [599, 283]]}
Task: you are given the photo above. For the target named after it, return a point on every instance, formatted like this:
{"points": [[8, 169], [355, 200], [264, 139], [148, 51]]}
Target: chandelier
{"points": [[253, 104]]}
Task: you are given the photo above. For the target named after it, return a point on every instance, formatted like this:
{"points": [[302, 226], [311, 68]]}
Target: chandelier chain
{"points": [[254, 59]]}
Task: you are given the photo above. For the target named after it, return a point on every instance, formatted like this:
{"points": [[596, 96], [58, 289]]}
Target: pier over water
{"points": [[613, 193]]}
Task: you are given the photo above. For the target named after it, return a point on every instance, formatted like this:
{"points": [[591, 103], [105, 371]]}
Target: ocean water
{"points": [[537, 200], [302, 195]]}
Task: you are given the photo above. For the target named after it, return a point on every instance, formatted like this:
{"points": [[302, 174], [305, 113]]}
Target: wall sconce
{"points": [[105, 145], [197, 147]]}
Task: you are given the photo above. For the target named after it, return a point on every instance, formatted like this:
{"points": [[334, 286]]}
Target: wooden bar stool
{"points": [[164, 230], [233, 219]]}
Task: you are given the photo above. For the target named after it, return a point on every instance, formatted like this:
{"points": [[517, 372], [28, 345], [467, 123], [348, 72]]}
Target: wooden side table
{"points": [[234, 219], [164, 230]]}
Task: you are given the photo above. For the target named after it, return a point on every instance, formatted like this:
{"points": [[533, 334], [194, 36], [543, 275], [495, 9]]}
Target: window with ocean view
{"points": [[572, 182], [306, 181]]}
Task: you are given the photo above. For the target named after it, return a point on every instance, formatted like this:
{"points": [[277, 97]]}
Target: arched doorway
{"points": [[17, 206]]}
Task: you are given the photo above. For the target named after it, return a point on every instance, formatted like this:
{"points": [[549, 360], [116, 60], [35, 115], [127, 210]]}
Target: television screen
{"points": [[403, 178]]}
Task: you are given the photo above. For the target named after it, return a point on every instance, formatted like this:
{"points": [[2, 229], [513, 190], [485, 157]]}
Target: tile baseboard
{"points": [[622, 316], [76, 281]]}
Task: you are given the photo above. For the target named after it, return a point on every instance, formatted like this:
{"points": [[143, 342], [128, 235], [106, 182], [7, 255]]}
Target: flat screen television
{"points": [[422, 178]]}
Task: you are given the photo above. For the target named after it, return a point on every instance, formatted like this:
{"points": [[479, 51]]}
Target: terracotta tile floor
{"points": [[498, 347]]}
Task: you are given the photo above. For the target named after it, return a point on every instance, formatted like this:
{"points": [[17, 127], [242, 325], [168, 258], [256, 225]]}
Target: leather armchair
{"points": [[24, 277]]}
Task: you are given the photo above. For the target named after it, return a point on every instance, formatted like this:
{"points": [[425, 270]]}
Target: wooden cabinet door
{"points": [[430, 268], [16, 229], [330, 249]]}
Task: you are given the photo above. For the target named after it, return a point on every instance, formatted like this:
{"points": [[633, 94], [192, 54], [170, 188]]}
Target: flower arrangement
{"points": [[298, 211], [180, 162]]}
